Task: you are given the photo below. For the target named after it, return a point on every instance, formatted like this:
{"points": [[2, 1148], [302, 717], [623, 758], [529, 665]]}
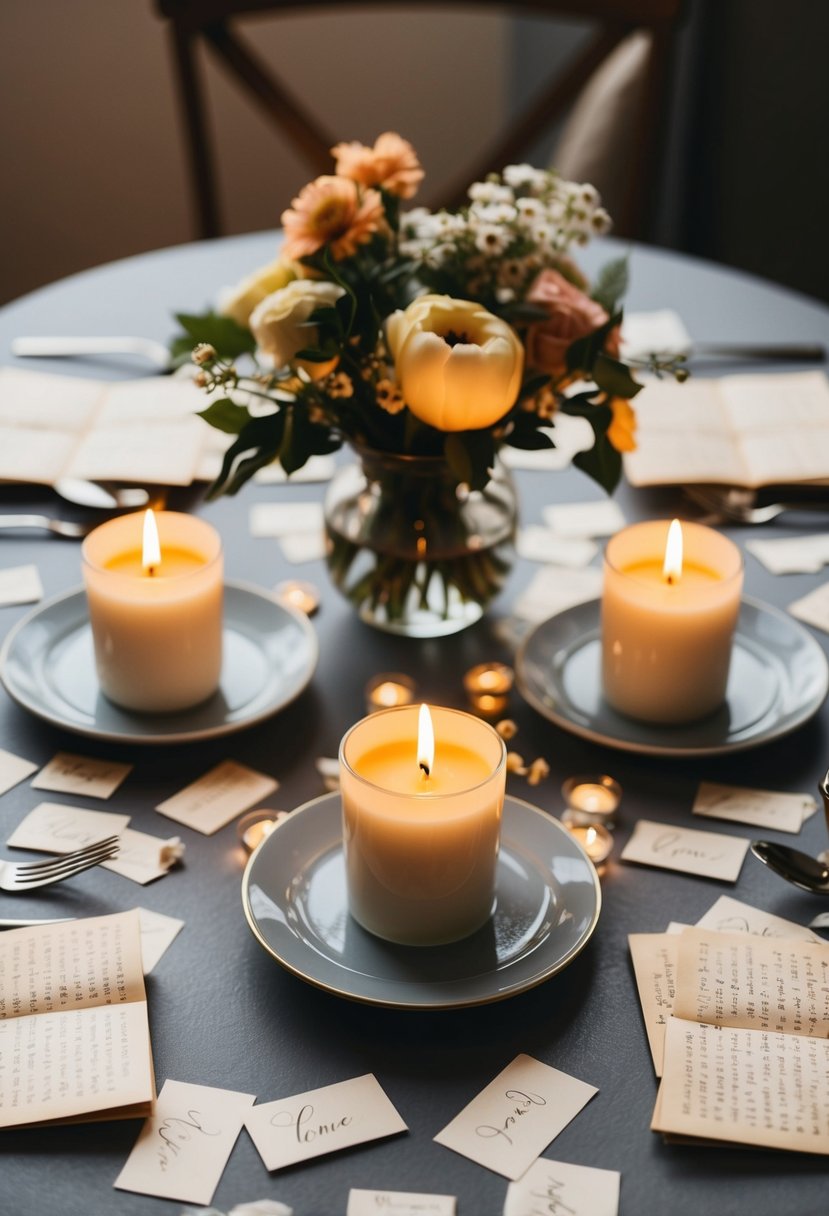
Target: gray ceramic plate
{"points": [[270, 652], [778, 680], [547, 906]]}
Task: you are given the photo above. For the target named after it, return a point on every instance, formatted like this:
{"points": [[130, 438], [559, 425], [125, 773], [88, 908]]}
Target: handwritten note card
{"points": [[761, 808], [670, 848], [322, 1121], [54, 827], [144, 858], [13, 770], [515, 1117], [184, 1146], [157, 934], [554, 1188], [654, 958], [209, 803], [20, 585], [729, 915], [399, 1203], [67, 773]]}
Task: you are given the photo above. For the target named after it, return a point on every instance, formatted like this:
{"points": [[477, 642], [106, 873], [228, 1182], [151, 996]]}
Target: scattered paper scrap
{"points": [[792, 554], [554, 588], [557, 1187], [219, 796], [54, 827], [20, 585], [144, 858], [654, 958], [513, 1119], [821, 921], [67, 773], [157, 934], [322, 1121], [661, 332], [585, 519], [537, 544], [13, 770], [729, 915], [708, 854], [813, 608], [285, 518], [184, 1146], [761, 808], [299, 547], [399, 1203]]}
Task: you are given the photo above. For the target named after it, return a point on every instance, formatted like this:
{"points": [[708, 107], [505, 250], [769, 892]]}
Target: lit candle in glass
{"points": [[389, 690], [487, 687], [595, 839], [591, 799], [669, 609], [155, 607], [253, 827], [297, 593], [422, 803]]}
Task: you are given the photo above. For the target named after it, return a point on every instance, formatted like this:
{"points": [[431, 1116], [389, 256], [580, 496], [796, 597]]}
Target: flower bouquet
{"points": [[427, 341]]}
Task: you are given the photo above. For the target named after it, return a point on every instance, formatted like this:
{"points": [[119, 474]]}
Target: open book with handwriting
{"points": [[747, 431], [74, 1031], [746, 1050]]}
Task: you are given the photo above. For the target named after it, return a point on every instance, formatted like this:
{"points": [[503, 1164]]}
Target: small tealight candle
{"points": [[669, 609], [253, 827], [595, 839], [298, 594], [389, 690], [591, 799], [487, 687], [154, 593], [422, 796]]}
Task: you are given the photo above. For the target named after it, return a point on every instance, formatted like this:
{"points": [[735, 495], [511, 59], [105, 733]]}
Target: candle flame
{"points": [[590, 837], [425, 741], [151, 554], [672, 568]]}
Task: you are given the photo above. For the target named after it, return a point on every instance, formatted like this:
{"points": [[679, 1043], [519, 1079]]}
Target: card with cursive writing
{"points": [[554, 1188], [20, 585], [157, 934], [322, 1121], [515, 1117], [761, 808], [67, 773], [399, 1203], [691, 852], [13, 770], [729, 915], [219, 796], [54, 827], [183, 1147], [654, 958]]}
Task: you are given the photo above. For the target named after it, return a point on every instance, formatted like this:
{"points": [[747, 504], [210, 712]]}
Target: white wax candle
{"points": [[157, 632], [421, 849], [666, 640]]}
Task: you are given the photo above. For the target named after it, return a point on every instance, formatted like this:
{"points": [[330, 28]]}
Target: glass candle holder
{"points": [[389, 690], [421, 851], [297, 593], [595, 839], [591, 799]]}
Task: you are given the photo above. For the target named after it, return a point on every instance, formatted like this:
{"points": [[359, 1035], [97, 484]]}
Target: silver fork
{"points": [[738, 506], [19, 876], [70, 528]]}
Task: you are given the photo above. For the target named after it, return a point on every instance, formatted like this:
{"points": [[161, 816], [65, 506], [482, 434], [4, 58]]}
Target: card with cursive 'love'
{"points": [[709, 854], [553, 1188], [399, 1203], [183, 1147], [322, 1121], [516, 1116]]}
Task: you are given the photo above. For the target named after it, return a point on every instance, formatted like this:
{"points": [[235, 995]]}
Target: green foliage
{"points": [[611, 285], [229, 338], [225, 415], [601, 462]]}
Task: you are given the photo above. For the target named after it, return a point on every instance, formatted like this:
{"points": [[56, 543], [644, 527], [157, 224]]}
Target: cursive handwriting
{"points": [[176, 1131], [552, 1203], [305, 1134], [522, 1103], [667, 843]]}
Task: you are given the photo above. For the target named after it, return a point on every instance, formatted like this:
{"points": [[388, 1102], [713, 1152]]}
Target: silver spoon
{"points": [[739, 506], [804, 871], [100, 495]]}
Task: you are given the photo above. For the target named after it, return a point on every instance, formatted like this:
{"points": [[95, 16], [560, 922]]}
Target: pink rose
{"points": [[572, 315]]}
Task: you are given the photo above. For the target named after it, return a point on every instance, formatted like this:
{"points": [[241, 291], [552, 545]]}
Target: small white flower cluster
{"points": [[516, 224]]}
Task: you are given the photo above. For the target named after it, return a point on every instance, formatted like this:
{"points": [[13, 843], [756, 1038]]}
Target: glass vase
{"points": [[414, 551]]}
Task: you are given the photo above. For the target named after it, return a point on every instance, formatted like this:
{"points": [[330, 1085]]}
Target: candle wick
{"points": [[670, 579], [424, 768], [150, 571]]}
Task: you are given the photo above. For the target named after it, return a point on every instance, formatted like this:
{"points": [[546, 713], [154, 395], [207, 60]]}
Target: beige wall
{"points": [[89, 127]]}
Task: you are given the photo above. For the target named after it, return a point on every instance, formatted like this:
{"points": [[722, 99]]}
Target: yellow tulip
{"points": [[458, 366], [239, 301]]}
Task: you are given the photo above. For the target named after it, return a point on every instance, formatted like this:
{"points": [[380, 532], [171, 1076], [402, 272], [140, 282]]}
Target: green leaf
{"points": [[522, 312], [225, 415], [316, 354], [532, 385], [229, 338], [261, 437], [526, 432], [614, 377], [611, 284], [602, 462]]}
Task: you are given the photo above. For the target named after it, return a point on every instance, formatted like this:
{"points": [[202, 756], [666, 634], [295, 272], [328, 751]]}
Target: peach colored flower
{"points": [[571, 315], [622, 430], [331, 211], [392, 163]]}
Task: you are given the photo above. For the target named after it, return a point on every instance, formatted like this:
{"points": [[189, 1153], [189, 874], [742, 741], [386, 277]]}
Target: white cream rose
{"points": [[239, 302], [458, 366], [278, 323]]}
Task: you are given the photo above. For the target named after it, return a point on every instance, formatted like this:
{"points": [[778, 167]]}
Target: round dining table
{"points": [[222, 1011]]}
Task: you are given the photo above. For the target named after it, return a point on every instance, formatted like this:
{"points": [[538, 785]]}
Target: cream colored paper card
{"points": [[821, 921], [321, 1121], [54, 827], [729, 915], [184, 1146], [158, 932], [760, 808], [792, 554], [399, 1203], [537, 544], [554, 1188], [554, 588], [13, 770], [67, 773], [316, 468], [515, 1117], [585, 519], [285, 518], [20, 585], [219, 796], [661, 332], [756, 983], [654, 958], [745, 1086], [301, 547], [141, 857], [708, 854], [813, 608]]}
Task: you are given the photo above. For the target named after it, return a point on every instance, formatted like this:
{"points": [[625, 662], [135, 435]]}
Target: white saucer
{"points": [[269, 654], [779, 678]]}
